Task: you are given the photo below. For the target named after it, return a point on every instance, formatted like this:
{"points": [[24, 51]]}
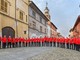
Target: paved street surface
{"points": [[39, 53], [57, 54], [21, 53]]}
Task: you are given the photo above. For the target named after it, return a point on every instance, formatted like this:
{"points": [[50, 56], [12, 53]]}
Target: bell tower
{"points": [[46, 11]]}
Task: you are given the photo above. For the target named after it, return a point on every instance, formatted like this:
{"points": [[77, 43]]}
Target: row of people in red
{"points": [[48, 41], [60, 40]]}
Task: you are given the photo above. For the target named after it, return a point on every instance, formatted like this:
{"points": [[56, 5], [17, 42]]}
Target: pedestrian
{"points": [[58, 42], [16, 42], [13, 42], [54, 42], [19, 40], [0, 41], [4, 40], [26, 42], [78, 44], [9, 41], [70, 41], [67, 43]]}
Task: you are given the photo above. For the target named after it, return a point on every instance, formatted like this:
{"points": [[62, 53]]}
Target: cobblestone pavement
{"points": [[39, 53], [57, 54], [21, 53]]}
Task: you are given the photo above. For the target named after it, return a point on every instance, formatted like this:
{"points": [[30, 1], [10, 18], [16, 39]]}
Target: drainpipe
{"points": [[16, 21]]}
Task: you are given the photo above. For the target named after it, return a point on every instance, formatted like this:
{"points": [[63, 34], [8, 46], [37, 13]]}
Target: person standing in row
{"points": [[13, 42], [78, 44], [0, 41], [4, 40], [9, 41]]}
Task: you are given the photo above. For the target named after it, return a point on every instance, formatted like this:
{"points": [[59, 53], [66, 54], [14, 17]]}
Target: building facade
{"points": [[71, 33], [37, 22], [76, 28], [52, 29], [14, 18]]}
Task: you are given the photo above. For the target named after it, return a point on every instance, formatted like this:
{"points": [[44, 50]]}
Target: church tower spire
{"points": [[46, 11]]}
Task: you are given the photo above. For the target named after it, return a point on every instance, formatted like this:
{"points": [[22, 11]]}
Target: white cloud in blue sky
{"points": [[63, 13]]}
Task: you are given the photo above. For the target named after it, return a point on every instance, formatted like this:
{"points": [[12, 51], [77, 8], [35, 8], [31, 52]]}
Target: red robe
{"points": [[4, 39], [71, 41], [0, 38], [16, 40], [55, 40], [67, 40], [78, 41], [9, 39], [13, 40]]}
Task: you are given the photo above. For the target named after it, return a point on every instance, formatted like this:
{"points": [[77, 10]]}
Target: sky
{"points": [[63, 13]]}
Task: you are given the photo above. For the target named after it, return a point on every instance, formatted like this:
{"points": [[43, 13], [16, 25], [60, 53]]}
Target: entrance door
{"points": [[8, 31]]}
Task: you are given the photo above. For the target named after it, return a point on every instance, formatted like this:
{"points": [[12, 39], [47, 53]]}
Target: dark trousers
{"points": [[26, 44], [77, 47], [54, 44], [9, 44], [23, 44], [19, 44], [0, 44], [67, 46], [3, 45], [57, 44], [50, 44], [16, 44], [47, 43], [13, 45], [71, 46], [63, 45]]}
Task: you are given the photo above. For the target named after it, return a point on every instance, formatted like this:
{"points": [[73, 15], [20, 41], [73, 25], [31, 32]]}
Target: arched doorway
{"points": [[8, 31]]}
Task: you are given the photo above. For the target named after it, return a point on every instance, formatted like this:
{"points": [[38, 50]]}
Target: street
{"points": [[21, 53], [39, 53], [57, 54]]}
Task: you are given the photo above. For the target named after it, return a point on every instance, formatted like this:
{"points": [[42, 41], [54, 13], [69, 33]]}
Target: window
{"points": [[21, 15], [34, 25], [45, 30], [40, 28], [24, 32], [45, 23], [40, 19], [51, 32], [33, 14], [3, 5], [26, 18]]}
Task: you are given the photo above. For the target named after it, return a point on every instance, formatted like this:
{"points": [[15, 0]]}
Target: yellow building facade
{"points": [[14, 18]]}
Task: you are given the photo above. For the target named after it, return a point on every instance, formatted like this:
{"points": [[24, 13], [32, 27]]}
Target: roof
{"points": [[53, 25], [32, 5], [77, 21]]}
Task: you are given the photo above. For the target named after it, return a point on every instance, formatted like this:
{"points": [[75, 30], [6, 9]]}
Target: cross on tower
{"points": [[46, 4], [79, 5]]}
